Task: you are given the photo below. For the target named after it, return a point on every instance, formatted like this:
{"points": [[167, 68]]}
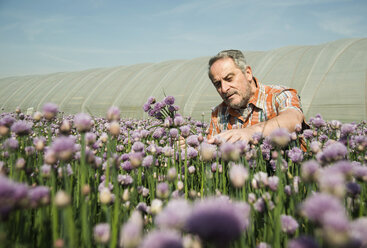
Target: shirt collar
{"points": [[254, 100], [257, 99]]}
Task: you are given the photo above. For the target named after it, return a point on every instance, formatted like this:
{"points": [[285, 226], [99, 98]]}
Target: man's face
{"points": [[232, 85]]}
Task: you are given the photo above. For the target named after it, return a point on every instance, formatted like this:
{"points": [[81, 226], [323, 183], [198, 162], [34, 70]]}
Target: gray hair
{"points": [[236, 55]]}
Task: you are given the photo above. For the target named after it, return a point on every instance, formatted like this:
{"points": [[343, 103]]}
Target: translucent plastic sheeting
{"points": [[331, 79]]}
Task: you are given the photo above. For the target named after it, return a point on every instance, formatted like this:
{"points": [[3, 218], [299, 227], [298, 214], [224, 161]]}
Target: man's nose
{"points": [[224, 86]]}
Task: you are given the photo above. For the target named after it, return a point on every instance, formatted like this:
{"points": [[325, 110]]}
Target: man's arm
{"points": [[288, 119]]}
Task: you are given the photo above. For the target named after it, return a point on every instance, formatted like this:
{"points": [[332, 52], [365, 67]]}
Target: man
{"points": [[248, 105]]}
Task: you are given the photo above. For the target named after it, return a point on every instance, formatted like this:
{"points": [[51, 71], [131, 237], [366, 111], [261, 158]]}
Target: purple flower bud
{"points": [[296, 155], [317, 205], [185, 131], [169, 100], [11, 144], [113, 114], [174, 215], [50, 110], [83, 122], [303, 242], [210, 216], [162, 190], [101, 233], [193, 140], [280, 137], [162, 239], [178, 121], [289, 224], [22, 127], [64, 147]]}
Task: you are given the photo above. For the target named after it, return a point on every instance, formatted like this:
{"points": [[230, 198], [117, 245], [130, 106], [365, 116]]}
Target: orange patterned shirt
{"points": [[265, 104]]}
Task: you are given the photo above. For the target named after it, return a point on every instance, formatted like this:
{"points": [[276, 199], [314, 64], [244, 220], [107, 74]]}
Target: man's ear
{"points": [[248, 74]]}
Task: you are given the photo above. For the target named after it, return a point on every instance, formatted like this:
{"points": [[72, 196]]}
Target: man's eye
{"points": [[217, 84]]}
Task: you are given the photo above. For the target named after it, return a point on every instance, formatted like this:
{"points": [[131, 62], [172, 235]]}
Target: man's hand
{"points": [[233, 135]]}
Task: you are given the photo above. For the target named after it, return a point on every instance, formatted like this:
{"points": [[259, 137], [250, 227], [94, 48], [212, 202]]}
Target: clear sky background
{"points": [[45, 36]]}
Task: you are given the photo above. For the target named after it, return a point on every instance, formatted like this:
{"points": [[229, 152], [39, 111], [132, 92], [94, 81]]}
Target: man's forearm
{"points": [[287, 119]]}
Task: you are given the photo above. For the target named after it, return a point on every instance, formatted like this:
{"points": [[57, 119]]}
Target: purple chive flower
{"points": [[309, 169], [216, 166], [113, 114], [288, 190], [289, 224], [358, 230], [101, 233], [83, 122], [296, 155], [316, 206], [136, 159], [151, 100], [125, 179], [315, 146], [273, 183], [333, 152], [162, 239], [191, 153], [347, 129], [185, 130], [146, 107], [169, 100], [158, 133], [303, 242], [162, 190], [308, 134], [7, 121], [217, 220], [131, 232], [229, 151], [90, 138], [178, 121], [46, 170], [207, 151], [263, 245], [318, 122], [142, 207], [137, 146], [11, 144], [353, 189], [147, 161], [335, 124], [193, 140], [280, 137], [332, 181], [64, 147], [259, 205], [22, 127], [174, 215], [191, 169], [50, 110], [238, 174], [12, 195], [39, 196], [173, 132], [167, 151]]}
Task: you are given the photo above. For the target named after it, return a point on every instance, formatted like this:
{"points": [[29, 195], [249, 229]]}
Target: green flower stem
{"points": [[54, 213], [186, 186], [202, 180]]}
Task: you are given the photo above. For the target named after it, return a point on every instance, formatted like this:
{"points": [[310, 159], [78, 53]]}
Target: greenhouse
{"points": [[331, 79]]}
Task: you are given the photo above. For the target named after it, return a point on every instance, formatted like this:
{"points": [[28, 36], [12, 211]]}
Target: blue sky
{"points": [[43, 36]]}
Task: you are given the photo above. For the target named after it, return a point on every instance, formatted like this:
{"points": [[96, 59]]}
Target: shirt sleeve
{"points": [[288, 99]]}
